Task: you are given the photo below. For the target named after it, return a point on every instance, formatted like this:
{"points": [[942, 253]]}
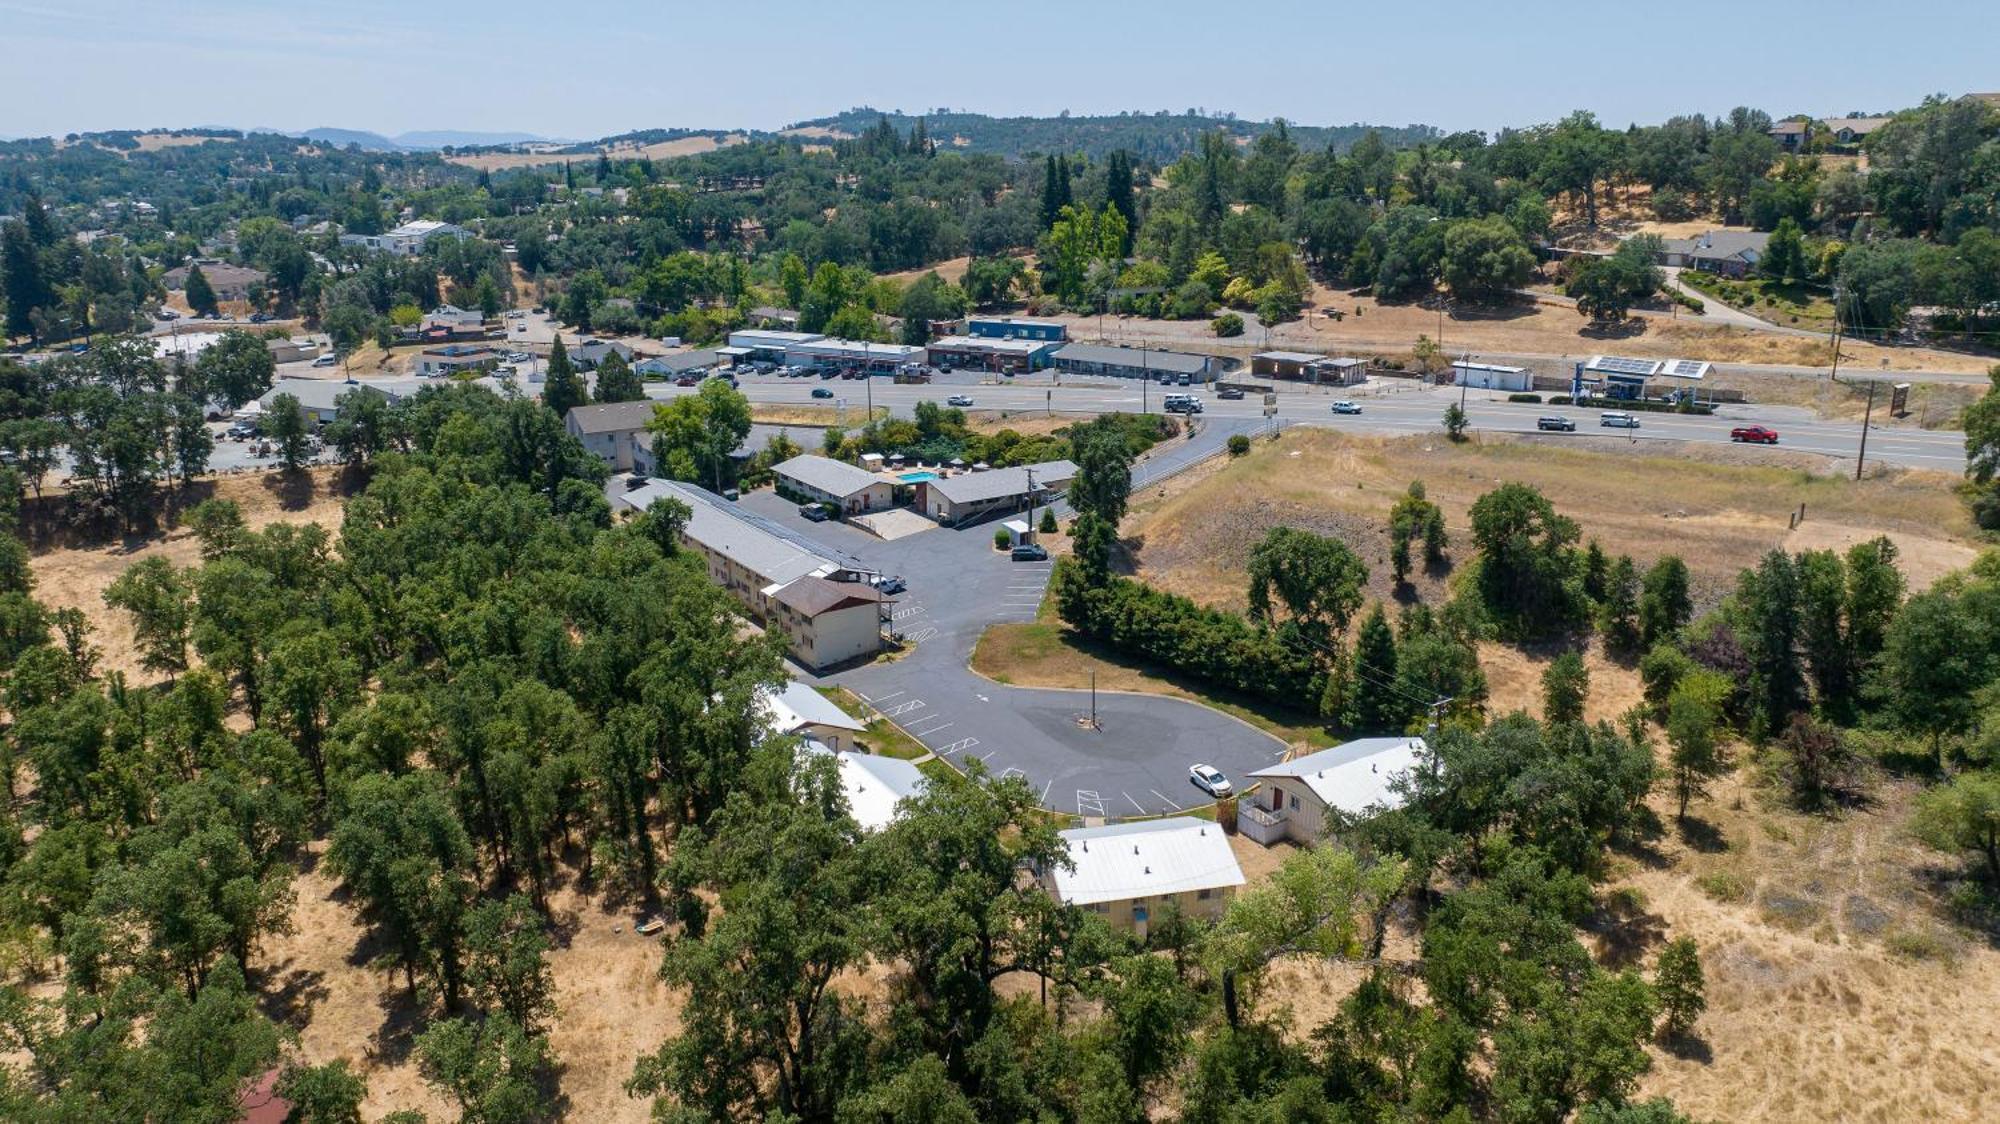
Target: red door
{"points": [[1277, 799]]}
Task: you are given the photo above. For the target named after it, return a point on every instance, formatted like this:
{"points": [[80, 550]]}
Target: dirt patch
{"points": [[1924, 558], [154, 142], [1514, 682]]}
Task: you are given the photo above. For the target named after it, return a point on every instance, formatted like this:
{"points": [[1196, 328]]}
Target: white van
{"points": [[1618, 420]]}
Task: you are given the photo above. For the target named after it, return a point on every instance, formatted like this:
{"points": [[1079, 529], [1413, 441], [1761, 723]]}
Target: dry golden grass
{"points": [[662, 150], [76, 577], [1811, 1015], [1719, 515], [154, 142], [771, 413]]}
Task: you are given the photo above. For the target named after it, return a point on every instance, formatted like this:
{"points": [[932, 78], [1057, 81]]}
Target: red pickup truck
{"points": [[1755, 433]]}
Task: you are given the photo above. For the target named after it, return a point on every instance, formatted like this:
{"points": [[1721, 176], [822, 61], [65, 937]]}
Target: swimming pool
{"points": [[917, 477]]}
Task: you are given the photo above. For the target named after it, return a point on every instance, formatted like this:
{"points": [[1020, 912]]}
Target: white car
{"points": [[1345, 407], [959, 400], [1209, 779]]}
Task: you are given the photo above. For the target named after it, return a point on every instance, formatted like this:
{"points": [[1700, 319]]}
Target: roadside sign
{"points": [[1899, 400]]}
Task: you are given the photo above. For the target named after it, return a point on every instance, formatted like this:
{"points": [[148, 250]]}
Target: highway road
{"points": [[1389, 407]]}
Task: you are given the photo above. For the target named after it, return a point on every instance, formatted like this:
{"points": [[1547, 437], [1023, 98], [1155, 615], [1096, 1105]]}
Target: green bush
{"points": [[1524, 398], [1001, 539], [1227, 324], [1239, 444], [1048, 525], [1559, 399]]}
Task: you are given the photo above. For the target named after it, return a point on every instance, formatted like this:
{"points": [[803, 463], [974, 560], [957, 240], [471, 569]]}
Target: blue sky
{"points": [[593, 69]]}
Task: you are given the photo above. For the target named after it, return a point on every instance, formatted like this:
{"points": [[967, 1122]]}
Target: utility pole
{"points": [[1835, 375], [1093, 698], [1861, 457], [1145, 379], [1031, 503]]}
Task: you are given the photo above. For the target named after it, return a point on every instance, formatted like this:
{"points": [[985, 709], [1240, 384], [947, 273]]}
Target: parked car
{"points": [[326, 360], [515, 314], [1187, 380], [1618, 420], [519, 357], [814, 511], [1756, 433], [1030, 552], [888, 586], [959, 400], [1209, 779], [1345, 407], [822, 392], [259, 317], [686, 380], [169, 314], [1230, 393], [1556, 424], [241, 431]]}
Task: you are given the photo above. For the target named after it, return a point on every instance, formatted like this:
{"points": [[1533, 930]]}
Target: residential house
{"points": [[828, 623], [959, 498], [451, 320], [1793, 134], [1847, 131], [1301, 799], [229, 282], [586, 354], [1731, 253], [1136, 362], [850, 490], [1131, 874], [797, 710], [613, 431]]}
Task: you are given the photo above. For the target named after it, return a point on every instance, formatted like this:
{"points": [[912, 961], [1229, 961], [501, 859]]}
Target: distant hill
{"points": [[1154, 136], [341, 138], [459, 138]]}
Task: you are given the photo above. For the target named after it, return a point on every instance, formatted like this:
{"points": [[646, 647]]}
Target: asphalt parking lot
{"points": [[1133, 762]]}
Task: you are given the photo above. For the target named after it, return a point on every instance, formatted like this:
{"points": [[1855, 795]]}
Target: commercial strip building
{"points": [[1300, 797], [1492, 376], [763, 345], [967, 497], [1307, 366], [826, 613], [860, 355], [614, 431], [825, 480], [979, 353], [455, 357], [1136, 362], [1013, 328], [1131, 873]]}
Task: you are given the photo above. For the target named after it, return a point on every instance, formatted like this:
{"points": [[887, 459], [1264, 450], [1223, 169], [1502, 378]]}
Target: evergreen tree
{"points": [[22, 284], [1052, 194], [1664, 603], [1118, 193], [1618, 617], [200, 294], [1565, 689], [562, 387], [617, 382], [1373, 706]]}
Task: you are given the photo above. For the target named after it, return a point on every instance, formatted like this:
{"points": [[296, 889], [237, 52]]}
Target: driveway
{"points": [[1133, 761]]}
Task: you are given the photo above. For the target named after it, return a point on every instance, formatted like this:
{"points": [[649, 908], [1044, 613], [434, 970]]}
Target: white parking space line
{"points": [[880, 698], [1170, 801], [1045, 791], [1088, 800], [903, 708], [959, 746], [1012, 771], [1135, 803], [935, 729]]}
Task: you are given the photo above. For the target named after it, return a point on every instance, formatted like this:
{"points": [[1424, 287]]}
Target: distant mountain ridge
{"points": [[421, 140], [1157, 136]]}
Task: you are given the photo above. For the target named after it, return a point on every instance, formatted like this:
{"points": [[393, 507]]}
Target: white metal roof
{"points": [[796, 706], [978, 487], [874, 785], [1120, 862], [717, 527], [1354, 776]]}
